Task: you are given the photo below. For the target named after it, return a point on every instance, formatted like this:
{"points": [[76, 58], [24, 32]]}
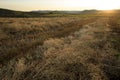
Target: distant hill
{"points": [[12, 13], [69, 12], [90, 11], [58, 12], [47, 13]]}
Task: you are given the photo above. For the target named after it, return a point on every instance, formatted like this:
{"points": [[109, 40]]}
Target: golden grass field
{"points": [[60, 48]]}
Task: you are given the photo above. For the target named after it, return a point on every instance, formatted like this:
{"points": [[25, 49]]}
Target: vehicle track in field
{"points": [[72, 27], [89, 46]]}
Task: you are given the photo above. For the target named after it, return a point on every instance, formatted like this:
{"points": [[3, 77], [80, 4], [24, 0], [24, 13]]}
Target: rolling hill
{"points": [[49, 13], [12, 13]]}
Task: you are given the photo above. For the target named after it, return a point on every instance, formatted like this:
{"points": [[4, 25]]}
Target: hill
{"points": [[49, 13], [12, 13]]}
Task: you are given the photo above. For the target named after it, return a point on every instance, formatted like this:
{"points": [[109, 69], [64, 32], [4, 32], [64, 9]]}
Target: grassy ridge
{"points": [[11, 13]]}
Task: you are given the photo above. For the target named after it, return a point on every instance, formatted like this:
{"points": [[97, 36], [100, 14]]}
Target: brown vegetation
{"points": [[18, 35], [60, 49]]}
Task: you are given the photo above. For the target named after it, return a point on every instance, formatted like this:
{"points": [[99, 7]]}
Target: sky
{"points": [[28, 5]]}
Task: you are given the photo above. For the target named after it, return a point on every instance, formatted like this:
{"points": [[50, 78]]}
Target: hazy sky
{"points": [[27, 5]]}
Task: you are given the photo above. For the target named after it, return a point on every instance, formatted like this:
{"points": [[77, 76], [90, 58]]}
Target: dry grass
{"points": [[87, 52], [19, 35]]}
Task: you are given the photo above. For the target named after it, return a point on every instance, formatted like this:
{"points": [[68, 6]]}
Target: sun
{"points": [[93, 4], [104, 7], [107, 5]]}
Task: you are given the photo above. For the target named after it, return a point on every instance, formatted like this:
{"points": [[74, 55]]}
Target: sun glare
{"points": [[60, 4], [108, 5], [93, 4]]}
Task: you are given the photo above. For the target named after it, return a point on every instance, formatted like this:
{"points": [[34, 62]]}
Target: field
{"points": [[81, 47]]}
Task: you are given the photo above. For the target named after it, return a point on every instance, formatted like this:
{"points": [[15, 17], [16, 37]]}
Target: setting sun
{"points": [[93, 4], [60, 4], [107, 5]]}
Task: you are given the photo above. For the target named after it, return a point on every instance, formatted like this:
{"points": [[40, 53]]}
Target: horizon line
{"points": [[54, 10]]}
